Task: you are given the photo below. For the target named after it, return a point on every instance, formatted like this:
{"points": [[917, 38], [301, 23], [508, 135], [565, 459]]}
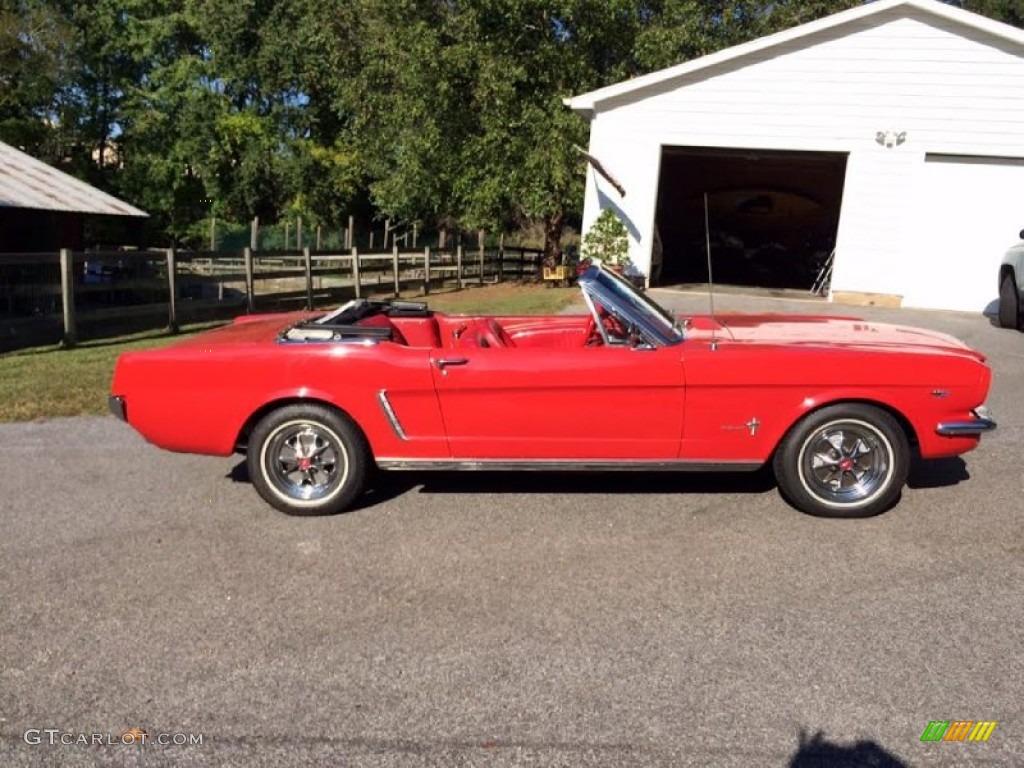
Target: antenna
{"points": [[711, 282]]}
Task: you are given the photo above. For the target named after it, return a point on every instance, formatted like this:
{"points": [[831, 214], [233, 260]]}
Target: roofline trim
{"points": [[587, 103]]}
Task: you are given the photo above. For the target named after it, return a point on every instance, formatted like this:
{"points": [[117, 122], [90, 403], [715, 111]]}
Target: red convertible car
{"points": [[836, 406]]}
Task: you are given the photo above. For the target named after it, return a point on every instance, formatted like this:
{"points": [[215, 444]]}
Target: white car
{"points": [[1011, 287]]}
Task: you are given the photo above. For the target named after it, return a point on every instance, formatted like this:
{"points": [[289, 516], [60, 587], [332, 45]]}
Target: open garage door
{"points": [[773, 215], [969, 212]]}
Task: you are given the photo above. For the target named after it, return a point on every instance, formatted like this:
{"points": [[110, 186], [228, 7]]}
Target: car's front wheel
{"points": [[847, 460], [1009, 303], [308, 460]]}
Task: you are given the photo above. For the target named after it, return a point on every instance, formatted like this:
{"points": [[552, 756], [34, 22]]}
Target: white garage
{"points": [[890, 135]]}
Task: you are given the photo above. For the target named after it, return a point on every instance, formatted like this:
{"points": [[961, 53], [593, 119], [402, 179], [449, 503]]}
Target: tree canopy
{"points": [[447, 113]]}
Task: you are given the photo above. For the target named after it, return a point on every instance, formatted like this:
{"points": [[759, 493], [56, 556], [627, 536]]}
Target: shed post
{"points": [[394, 266], [67, 292], [250, 299], [355, 270], [172, 291], [458, 265], [426, 270], [307, 263], [501, 258], [480, 243]]}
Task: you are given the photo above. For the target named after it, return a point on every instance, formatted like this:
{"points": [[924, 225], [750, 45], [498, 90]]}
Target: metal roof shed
{"points": [[42, 208]]}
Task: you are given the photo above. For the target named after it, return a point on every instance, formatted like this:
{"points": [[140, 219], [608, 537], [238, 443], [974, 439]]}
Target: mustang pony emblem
{"points": [[752, 425]]}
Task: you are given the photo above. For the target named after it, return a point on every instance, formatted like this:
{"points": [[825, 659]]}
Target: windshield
{"points": [[615, 292]]}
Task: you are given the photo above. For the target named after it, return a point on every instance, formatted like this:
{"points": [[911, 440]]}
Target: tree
{"points": [[33, 66]]}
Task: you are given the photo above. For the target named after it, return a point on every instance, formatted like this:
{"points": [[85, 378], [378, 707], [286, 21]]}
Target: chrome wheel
{"points": [[304, 461], [846, 463]]}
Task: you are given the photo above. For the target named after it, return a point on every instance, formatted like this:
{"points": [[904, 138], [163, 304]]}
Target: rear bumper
{"points": [[981, 423], [117, 407]]}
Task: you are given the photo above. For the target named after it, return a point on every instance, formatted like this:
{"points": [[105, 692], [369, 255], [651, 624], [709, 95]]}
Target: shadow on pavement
{"points": [[937, 473], [819, 752], [540, 482]]}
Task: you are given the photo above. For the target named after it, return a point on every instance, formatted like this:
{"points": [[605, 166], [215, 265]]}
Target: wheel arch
{"points": [[899, 416], [242, 440]]}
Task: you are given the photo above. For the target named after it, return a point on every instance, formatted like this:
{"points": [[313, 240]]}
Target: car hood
{"points": [[826, 331]]}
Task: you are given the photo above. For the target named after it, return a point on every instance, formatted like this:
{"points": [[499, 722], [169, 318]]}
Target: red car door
{"points": [[608, 402]]}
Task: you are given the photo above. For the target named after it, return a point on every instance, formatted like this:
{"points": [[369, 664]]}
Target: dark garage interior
{"points": [[772, 215]]}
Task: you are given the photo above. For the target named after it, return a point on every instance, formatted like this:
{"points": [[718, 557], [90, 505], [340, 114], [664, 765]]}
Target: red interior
{"points": [[454, 331]]}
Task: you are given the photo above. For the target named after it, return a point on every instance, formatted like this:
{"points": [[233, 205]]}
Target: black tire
{"points": [[328, 479], [1009, 303], [846, 460]]}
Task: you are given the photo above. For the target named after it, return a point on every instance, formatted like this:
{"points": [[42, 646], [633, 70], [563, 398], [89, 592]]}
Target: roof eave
{"points": [[588, 103]]}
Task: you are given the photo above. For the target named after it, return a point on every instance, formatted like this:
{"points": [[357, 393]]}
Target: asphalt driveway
{"points": [[543, 620]]}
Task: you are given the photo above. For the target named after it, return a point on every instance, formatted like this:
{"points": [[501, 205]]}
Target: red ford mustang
{"points": [[837, 406]]}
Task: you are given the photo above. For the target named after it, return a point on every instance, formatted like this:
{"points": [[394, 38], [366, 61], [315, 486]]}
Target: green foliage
{"points": [[607, 240], [444, 113]]}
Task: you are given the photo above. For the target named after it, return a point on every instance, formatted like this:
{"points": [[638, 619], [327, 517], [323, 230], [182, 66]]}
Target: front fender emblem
{"points": [[753, 425]]}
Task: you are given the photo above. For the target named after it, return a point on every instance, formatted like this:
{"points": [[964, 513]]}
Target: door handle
{"points": [[444, 362]]}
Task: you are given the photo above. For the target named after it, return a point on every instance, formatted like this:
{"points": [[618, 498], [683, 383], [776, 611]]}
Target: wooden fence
{"points": [[64, 297]]}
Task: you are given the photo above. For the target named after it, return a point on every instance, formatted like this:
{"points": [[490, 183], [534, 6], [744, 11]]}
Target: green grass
{"points": [[49, 382]]}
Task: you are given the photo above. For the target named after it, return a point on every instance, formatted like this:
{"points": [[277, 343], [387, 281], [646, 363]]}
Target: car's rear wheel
{"points": [[1009, 303], [308, 460], [846, 460]]}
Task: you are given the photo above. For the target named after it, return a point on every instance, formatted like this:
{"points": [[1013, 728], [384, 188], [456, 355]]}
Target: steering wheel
{"points": [[613, 328]]}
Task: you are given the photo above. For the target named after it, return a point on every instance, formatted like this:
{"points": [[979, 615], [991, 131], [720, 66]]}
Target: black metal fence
{"points": [[48, 298]]}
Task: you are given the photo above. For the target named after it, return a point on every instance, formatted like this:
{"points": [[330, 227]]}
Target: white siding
{"points": [[968, 213], [952, 90]]}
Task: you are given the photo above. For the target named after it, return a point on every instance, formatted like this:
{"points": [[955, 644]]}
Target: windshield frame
{"points": [[610, 290]]}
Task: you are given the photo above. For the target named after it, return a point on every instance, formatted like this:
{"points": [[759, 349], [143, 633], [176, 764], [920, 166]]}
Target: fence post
{"points": [[387, 230], [426, 270], [501, 258], [481, 258], [415, 234], [458, 265], [308, 264], [67, 292], [350, 232], [213, 233], [318, 237], [394, 266], [254, 233], [298, 232], [355, 270], [172, 292], [250, 300]]}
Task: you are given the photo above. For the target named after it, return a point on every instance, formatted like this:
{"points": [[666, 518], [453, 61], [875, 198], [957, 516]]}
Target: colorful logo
{"points": [[958, 730]]}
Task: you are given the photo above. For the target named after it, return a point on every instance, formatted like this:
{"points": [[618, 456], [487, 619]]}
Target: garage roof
{"points": [[29, 183], [587, 103]]}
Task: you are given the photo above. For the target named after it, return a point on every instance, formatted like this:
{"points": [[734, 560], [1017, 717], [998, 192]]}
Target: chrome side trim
{"points": [[963, 428], [389, 412], [562, 465], [116, 405]]}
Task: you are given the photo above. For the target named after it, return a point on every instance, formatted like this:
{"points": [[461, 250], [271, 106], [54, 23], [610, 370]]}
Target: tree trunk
{"points": [[553, 239]]}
